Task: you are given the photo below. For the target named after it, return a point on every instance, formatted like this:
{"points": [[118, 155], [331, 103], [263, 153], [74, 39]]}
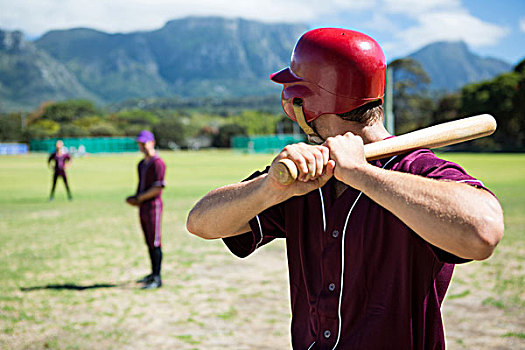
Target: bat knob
{"points": [[286, 171]]}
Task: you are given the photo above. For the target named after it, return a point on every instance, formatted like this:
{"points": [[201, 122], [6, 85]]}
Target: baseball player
{"points": [[371, 246], [62, 160], [151, 172]]}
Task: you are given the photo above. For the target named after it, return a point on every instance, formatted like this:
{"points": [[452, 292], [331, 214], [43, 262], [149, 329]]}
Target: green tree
{"points": [[519, 104], [135, 116], [226, 132], [104, 129], [133, 129], [41, 129], [87, 122], [68, 111], [448, 108], [11, 127], [500, 97], [520, 67], [176, 130], [413, 108], [255, 122], [72, 130]]}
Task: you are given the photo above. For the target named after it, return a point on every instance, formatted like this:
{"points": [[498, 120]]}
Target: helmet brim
{"points": [[285, 76]]}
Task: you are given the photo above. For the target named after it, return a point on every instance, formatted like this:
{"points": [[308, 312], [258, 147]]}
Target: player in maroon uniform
{"points": [[371, 246], [151, 172], [62, 160]]}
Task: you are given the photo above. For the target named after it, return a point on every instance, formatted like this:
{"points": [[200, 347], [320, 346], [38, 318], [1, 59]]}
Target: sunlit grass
{"points": [[95, 241]]}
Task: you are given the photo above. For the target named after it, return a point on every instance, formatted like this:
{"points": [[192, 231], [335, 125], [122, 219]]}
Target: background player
{"points": [[151, 172], [62, 161], [370, 246]]}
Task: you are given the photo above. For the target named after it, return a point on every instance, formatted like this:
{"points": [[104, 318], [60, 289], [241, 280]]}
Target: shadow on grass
{"points": [[71, 286]]}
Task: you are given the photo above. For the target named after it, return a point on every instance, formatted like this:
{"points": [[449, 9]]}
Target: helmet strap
{"points": [[313, 136]]}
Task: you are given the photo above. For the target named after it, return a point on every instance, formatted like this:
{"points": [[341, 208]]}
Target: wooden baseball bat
{"points": [[432, 137]]}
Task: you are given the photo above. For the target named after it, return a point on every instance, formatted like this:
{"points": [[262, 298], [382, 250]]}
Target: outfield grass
{"points": [[504, 174], [67, 268]]}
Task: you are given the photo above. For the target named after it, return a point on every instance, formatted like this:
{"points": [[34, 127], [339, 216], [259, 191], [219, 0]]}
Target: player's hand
{"points": [[314, 168], [348, 153], [132, 200]]}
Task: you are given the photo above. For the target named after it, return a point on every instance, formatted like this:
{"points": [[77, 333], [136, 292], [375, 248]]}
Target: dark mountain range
{"points": [[451, 65], [29, 75], [190, 57], [187, 57]]}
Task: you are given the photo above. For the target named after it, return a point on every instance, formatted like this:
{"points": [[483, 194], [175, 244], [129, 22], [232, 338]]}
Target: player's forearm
{"points": [[456, 217], [149, 194], [226, 211]]}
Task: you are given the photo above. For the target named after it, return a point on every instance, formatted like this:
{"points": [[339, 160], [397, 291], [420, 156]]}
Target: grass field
{"points": [[67, 269]]}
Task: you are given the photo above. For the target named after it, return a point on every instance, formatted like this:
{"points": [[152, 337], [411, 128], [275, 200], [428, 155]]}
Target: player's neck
{"points": [[373, 133], [149, 154]]}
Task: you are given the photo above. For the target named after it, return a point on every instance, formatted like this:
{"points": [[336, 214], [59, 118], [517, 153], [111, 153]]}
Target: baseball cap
{"points": [[145, 136]]}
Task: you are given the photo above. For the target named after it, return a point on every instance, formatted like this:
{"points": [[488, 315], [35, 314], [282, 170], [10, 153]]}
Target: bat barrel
{"points": [[433, 137]]}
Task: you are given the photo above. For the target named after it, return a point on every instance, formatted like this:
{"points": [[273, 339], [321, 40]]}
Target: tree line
{"points": [[172, 128], [175, 123], [503, 97]]}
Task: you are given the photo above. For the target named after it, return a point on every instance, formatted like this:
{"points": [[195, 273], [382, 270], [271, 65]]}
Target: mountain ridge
{"points": [[462, 65], [189, 57], [29, 76]]}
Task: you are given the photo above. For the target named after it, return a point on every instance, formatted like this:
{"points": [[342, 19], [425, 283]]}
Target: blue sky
{"points": [[490, 28]]}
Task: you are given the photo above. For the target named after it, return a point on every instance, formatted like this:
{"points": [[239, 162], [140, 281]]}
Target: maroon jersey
{"points": [[359, 277], [151, 173], [60, 161]]}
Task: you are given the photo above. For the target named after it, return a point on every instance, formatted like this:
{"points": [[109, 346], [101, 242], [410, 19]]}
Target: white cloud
{"points": [[522, 24], [417, 7], [440, 26], [404, 24], [439, 20], [37, 17], [381, 22]]}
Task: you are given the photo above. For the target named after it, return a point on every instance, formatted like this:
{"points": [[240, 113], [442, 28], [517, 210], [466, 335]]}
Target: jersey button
{"points": [[335, 233], [327, 334], [331, 287]]}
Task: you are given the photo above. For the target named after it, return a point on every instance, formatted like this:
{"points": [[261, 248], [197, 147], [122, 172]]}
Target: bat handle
{"points": [[432, 137], [286, 171]]}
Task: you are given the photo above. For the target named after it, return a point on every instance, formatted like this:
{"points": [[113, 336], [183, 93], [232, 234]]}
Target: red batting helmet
{"points": [[333, 70]]}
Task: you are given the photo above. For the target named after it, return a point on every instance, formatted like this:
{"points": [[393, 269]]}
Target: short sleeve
{"points": [[427, 164], [265, 227], [160, 170]]}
